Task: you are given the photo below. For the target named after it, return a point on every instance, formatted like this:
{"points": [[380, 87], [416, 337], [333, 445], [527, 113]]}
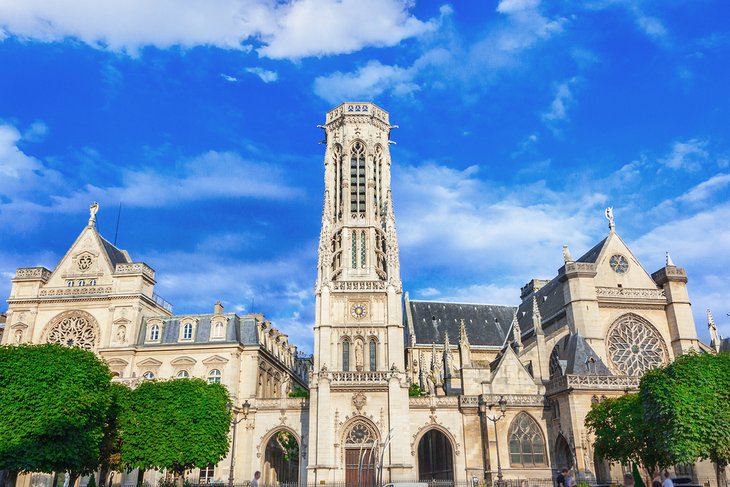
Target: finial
{"points": [[714, 337], [463, 337], [446, 340], [93, 208], [516, 331], [566, 254], [609, 216], [669, 261], [536, 317]]}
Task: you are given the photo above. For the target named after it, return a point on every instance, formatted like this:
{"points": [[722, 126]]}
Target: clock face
{"points": [[359, 311], [619, 264]]}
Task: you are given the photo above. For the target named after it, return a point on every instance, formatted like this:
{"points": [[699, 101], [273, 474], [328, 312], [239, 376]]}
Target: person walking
{"points": [[667, 480], [560, 479], [256, 477]]}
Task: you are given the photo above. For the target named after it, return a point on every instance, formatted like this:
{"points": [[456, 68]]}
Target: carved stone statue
{"points": [[92, 213], [431, 384], [18, 336], [359, 362], [609, 216], [121, 334], [284, 387]]}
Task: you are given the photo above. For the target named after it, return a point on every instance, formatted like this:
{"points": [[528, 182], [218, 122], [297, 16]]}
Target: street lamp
{"points": [[502, 403], [245, 408]]}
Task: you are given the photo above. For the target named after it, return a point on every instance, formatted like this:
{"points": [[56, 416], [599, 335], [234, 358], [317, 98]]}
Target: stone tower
{"points": [[359, 388]]}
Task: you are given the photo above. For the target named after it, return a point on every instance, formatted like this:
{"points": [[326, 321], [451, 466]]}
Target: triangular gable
{"points": [[89, 257], [634, 277], [511, 375], [215, 359], [150, 362]]}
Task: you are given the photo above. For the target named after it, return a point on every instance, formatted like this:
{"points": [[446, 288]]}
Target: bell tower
{"points": [[359, 382]]}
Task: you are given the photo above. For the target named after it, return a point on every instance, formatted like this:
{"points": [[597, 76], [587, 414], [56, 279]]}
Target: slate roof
{"points": [[592, 255], [550, 302], [241, 330], [576, 356], [116, 256], [486, 324], [725, 345]]}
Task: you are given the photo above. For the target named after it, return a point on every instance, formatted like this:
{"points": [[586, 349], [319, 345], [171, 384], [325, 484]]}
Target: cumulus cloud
{"points": [[563, 100], [368, 82], [22, 173], [291, 30]]}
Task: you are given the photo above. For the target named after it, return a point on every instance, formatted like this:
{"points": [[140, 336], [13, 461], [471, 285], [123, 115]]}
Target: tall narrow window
{"points": [[362, 249], [526, 443], [188, 331], [337, 183], [378, 168], [357, 179], [346, 355], [373, 355], [354, 250], [218, 330], [155, 332]]}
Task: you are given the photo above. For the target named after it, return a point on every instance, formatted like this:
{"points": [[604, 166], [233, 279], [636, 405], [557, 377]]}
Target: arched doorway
{"points": [[281, 460], [361, 443], [563, 456], [435, 457]]}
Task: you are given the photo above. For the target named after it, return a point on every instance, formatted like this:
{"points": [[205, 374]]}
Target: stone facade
{"points": [[587, 334]]}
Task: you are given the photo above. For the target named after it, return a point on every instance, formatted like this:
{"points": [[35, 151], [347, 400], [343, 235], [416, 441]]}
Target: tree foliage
{"points": [[177, 424], [53, 408], [687, 408], [622, 435]]}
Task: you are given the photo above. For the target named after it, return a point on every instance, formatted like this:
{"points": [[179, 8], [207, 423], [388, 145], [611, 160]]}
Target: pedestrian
{"points": [[628, 480], [256, 477], [570, 479], [560, 479], [657, 482], [667, 480]]}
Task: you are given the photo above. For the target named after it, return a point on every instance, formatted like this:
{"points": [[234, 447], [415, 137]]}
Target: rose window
{"points": [[73, 331], [634, 346], [360, 433]]}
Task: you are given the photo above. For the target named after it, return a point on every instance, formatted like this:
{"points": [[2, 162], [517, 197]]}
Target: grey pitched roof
{"points": [[592, 255], [116, 256], [576, 356], [241, 330], [486, 324], [550, 302]]}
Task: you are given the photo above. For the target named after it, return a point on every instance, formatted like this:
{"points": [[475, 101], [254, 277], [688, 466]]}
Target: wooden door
{"points": [[352, 467]]}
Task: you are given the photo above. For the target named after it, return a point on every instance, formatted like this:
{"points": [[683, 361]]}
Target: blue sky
{"points": [[521, 120]]}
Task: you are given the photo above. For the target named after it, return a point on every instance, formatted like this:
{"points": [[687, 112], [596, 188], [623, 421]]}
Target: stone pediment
{"points": [[150, 362], [215, 359], [117, 362], [183, 361]]}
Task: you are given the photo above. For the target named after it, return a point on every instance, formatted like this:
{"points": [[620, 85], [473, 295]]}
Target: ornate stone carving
{"points": [[629, 292], [634, 346], [359, 400], [32, 273], [73, 329]]}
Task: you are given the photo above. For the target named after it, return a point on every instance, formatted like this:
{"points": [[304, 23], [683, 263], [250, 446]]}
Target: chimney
{"points": [[218, 308]]}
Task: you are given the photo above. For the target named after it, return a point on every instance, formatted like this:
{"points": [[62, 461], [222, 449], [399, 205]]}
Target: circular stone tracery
{"points": [[360, 433], [634, 346], [73, 330]]}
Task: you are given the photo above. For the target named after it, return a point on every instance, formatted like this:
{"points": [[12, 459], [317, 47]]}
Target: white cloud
{"points": [[21, 173], [563, 100], [265, 75], [292, 30], [651, 26], [229, 78], [706, 189], [448, 60], [689, 155], [366, 83]]}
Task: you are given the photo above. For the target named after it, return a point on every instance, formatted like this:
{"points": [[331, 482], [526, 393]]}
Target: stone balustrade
{"points": [[593, 382], [630, 293], [135, 268], [32, 273]]}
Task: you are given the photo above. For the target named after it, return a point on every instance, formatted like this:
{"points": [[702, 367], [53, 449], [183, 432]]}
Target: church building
{"points": [[397, 389]]}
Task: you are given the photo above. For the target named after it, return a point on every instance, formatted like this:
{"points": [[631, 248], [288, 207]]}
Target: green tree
{"points": [[622, 434], [177, 424], [110, 448], [53, 409], [687, 406]]}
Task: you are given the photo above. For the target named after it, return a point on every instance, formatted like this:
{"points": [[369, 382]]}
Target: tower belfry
{"points": [[358, 331]]}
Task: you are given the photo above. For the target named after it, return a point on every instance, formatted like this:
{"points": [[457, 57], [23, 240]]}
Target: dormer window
{"points": [[218, 330], [154, 332], [188, 331]]}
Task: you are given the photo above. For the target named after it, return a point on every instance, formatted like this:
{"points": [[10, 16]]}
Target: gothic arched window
{"points": [[337, 175], [363, 250], [373, 355], [346, 355], [357, 179], [378, 168], [526, 443]]}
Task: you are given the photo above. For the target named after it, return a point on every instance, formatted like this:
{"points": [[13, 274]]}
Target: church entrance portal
{"points": [[563, 455], [281, 462], [360, 455], [435, 457]]}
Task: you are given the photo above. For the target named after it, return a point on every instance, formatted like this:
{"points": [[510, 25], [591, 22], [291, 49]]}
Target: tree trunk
{"points": [[720, 471], [103, 475], [8, 478], [140, 477]]}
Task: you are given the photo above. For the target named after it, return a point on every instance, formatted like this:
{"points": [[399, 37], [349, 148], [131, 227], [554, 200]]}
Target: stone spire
{"points": [[669, 260], [324, 255], [392, 252], [536, 317], [566, 255], [463, 337], [447, 355], [712, 327], [517, 332]]}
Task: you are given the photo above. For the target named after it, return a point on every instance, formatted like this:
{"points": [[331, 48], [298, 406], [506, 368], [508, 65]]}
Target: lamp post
{"points": [[502, 403], [245, 407]]}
